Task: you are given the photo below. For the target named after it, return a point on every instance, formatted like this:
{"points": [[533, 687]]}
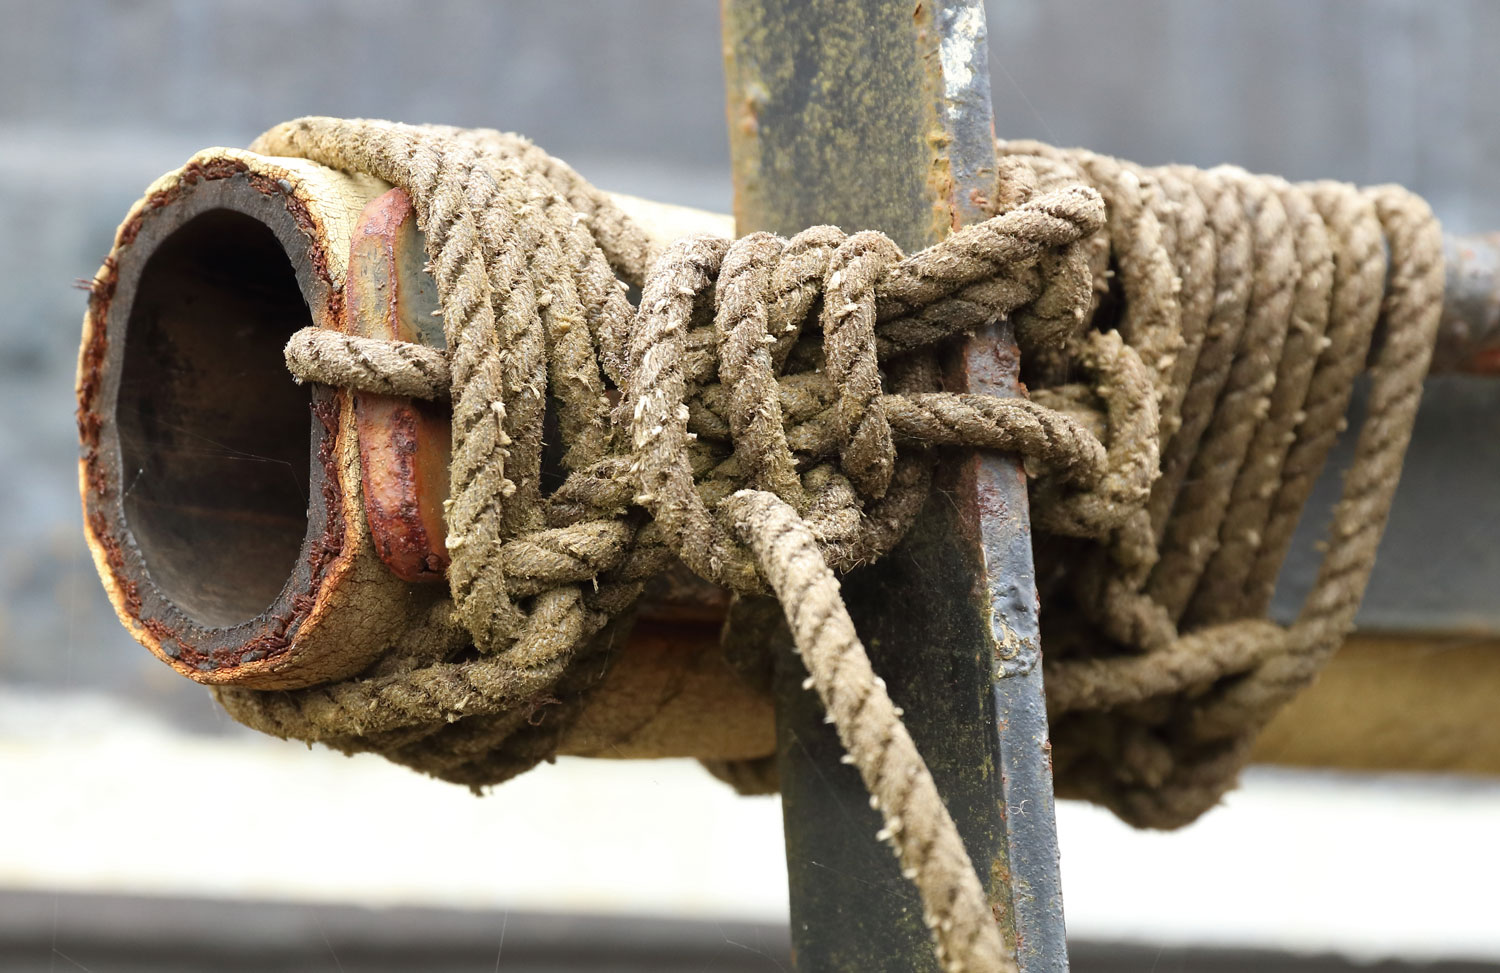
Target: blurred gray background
{"points": [[98, 98]]}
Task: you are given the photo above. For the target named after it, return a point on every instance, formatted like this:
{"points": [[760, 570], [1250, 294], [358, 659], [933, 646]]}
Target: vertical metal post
{"points": [[876, 114]]}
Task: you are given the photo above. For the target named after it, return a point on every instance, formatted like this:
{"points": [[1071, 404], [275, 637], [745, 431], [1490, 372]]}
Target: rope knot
{"points": [[770, 414]]}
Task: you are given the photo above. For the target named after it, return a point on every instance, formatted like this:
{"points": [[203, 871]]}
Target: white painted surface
{"points": [[94, 797]]}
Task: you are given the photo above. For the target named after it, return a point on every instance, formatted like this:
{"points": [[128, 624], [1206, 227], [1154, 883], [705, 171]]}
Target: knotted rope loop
{"points": [[1191, 361], [742, 327], [866, 449]]}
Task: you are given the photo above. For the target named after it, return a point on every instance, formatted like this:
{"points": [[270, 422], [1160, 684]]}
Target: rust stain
{"points": [[278, 632], [98, 493], [331, 544], [404, 445], [105, 541], [1485, 361], [941, 185]]}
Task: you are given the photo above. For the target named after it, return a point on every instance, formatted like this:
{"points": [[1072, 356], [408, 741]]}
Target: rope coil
{"points": [[1190, 358]]}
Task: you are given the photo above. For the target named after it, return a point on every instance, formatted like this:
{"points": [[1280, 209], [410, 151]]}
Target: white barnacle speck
{"points": [[454, 541]]}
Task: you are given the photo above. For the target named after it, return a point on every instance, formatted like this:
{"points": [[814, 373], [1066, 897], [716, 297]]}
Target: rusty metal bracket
{"points": [[876, 114], [404, 444]]}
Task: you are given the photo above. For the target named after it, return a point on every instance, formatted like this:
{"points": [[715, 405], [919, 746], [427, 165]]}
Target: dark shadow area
{"points": [[124, 934], [213, 434]]}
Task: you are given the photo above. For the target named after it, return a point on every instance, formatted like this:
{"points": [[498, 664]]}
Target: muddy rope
{"points": [[770, 413]]}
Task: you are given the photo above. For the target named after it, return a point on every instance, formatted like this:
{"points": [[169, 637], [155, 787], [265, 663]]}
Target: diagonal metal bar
{"points": [[876, 114]]}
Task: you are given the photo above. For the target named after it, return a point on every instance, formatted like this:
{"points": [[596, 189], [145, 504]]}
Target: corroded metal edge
{"points": [[404, 445], [285, 646], [878, 115]]}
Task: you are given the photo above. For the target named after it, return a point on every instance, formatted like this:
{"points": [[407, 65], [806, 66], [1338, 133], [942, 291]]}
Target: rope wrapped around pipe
{"points": [[770, 413]]}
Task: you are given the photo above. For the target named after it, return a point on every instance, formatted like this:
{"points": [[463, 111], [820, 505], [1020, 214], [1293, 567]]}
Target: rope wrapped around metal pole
{"points": [[769, 414]]}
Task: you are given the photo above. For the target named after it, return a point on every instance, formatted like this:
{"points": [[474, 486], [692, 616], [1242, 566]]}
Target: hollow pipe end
{"points": [[220, 499]]}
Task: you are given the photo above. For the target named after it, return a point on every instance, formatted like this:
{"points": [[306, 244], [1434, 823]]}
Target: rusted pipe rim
{"points": [[211, 495], [225, 506]]}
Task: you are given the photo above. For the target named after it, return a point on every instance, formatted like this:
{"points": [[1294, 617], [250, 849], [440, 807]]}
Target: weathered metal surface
{"points": [[1469, 335], [404, 445], [877, 115], [229, 524], [214, 504]]}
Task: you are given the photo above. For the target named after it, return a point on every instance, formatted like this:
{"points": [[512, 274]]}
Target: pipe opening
{"points": [[214, 434]]}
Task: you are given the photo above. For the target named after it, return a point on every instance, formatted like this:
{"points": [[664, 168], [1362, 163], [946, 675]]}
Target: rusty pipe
{"points": [[230, 512], [1469, 334], [255, 533]]}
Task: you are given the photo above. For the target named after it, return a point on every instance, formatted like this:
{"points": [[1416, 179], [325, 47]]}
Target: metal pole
{"points": [[876, 114]]}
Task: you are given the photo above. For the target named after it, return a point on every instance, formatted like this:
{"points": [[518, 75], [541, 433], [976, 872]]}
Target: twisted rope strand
{"points": [[779, 408]]}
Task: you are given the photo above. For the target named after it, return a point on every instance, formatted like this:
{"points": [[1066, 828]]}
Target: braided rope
{"points": [[1190, 366]]}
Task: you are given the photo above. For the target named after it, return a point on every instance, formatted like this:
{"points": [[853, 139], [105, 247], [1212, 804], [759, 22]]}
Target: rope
{"points": [[1190, 338]]}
